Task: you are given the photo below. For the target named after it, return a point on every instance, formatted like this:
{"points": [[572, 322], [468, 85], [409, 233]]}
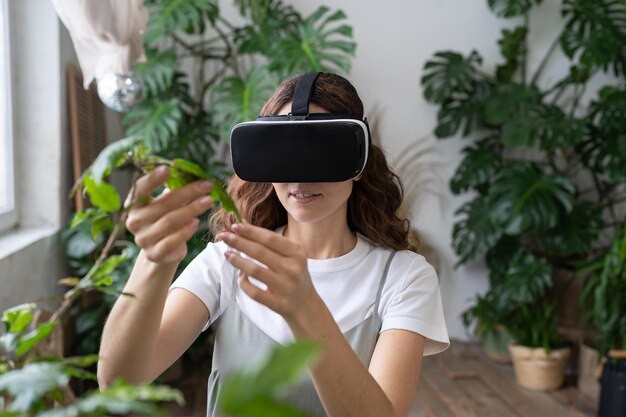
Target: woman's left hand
{"points": [[289, 285]]}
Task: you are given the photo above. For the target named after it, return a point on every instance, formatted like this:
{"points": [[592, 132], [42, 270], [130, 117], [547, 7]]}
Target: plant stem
{"points": [[524, 57], [544, 61], [71, 295]]}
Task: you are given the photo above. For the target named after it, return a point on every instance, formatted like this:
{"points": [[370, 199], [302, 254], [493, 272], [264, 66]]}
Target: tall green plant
{"points": [[547, 175]]}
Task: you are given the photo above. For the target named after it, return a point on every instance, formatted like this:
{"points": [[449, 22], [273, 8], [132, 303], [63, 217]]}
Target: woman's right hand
{"points": [[163, 224]]}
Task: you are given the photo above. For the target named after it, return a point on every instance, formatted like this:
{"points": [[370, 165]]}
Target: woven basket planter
{"points": [[537, 371]]}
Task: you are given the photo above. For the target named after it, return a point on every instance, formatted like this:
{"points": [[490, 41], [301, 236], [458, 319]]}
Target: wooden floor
{"points": [[463, 382]]}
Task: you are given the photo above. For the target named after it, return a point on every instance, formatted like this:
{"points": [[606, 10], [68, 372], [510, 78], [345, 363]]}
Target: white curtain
{"points": [[107, 34]]}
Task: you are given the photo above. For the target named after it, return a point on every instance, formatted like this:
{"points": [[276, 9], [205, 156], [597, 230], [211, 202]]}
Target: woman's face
{"points": [[311, 202]]}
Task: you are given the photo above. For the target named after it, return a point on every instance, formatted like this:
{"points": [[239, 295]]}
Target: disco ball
{"points": [[120, 92]]}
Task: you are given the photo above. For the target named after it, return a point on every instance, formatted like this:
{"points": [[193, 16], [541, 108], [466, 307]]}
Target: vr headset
{"points": [[300, 147]]}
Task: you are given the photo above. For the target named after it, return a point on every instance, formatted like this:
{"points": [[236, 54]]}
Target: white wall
{"points": [[394, 39]]}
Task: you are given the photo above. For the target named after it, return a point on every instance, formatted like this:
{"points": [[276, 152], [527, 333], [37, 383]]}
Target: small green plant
{"points": [[547, 174]]}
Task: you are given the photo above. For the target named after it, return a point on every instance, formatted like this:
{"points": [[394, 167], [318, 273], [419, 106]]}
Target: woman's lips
{"points": [[302, 197]]}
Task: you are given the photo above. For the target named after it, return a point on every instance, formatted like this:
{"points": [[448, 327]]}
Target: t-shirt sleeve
{"points": [[415, 305], [208, 276]]}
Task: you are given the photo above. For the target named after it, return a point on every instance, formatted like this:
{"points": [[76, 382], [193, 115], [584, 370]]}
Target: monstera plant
{"points": [[544, 167]]}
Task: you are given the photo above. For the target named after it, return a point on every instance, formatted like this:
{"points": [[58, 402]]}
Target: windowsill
{"points": [[13, 241]]}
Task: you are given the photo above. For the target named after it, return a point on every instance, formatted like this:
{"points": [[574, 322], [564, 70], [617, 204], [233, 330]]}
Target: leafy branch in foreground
{"points": [[36, 384]]}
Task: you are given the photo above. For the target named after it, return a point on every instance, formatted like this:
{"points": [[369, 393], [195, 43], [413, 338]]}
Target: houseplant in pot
{"points": [[545, 164]]}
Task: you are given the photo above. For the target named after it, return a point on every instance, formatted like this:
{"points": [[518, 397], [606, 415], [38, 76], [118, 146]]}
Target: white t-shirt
{"points": [[410, 299]]}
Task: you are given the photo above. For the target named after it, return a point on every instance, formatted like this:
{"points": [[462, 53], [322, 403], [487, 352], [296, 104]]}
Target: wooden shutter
{"points": [[87, 126]]}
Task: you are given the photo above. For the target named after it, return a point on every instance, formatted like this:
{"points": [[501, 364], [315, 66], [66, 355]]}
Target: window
{"points": [[8, 213]]}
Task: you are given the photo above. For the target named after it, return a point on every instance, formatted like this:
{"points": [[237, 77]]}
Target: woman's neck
{"points": [[322, 241]]}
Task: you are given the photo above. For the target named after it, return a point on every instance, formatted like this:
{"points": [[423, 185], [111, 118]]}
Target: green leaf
{"points": [[263, 407], [29, 384], [526, 121], [81, 361], [480, 164], [509, 99], [101, 276], [102, 195], [543, 124], [449, 73], [184, 172], [157, 73], [464, 111], [595, 33], [525, 199], [156, 121], [196, 139], [190, 168], [512, 47], [256, 387], [169, 16], [314, 46], [604, 294], [476, 232], [79, 242], [279, 20], [512, 8], [526, 279], [240, 99], [31, 339], [119, 398], [111, 156], [605, 149], [17, 319], [575, 232]]}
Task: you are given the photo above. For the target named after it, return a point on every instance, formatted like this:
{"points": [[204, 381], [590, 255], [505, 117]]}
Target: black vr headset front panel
{"points": [[299, 150]]}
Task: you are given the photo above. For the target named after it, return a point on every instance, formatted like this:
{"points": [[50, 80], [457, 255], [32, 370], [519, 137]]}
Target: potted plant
{"points": [[605, 298], [546, 176]]}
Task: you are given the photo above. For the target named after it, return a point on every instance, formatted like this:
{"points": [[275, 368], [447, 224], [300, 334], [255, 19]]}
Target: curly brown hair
{"points": [[375, 200]]}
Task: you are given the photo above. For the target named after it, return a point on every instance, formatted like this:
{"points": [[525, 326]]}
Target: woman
{"points": [[327, 262]]}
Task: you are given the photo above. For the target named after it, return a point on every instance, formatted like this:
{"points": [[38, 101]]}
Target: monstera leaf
{"points": [[476, 232], [512, 8], [526, 279], [196, 140], [500, 256], [512, 48], [449, 72], [542, 124], [156, 121], [280, 20], [595, 33], [240, 99], [605, 149], [575, 232], [509, 99], [526, 199], [157, 73], [526, 121], [169, 16], [318, 45], [463, 111], [480, 164]]}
